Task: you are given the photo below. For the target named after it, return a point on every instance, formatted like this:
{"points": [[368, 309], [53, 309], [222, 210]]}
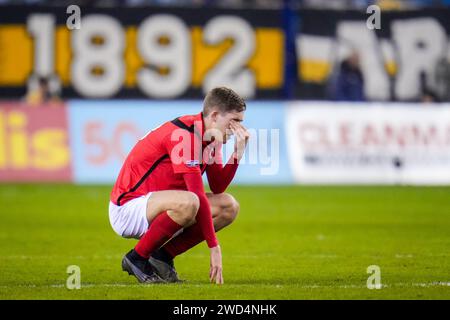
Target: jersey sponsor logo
{"points": [[192, 163]]}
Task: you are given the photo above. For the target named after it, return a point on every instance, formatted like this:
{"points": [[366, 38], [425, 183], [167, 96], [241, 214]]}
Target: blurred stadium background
{"points": [[349, 164]]}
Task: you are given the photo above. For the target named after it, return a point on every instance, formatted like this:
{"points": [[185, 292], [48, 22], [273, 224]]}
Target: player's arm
{"points": [[194, 184], [219, 176], [185, 164]]}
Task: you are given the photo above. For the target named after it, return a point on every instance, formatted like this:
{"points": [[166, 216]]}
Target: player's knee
{"points": [[230, 208], [188, 205]]}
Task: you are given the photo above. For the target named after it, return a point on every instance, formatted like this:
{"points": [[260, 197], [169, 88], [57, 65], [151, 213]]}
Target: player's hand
{"points": [[215, 273], [242, 135]]}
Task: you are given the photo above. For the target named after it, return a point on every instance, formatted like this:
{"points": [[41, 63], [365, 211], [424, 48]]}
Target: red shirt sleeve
{"points": [[184, 150], [219, 176], [194, 184]]}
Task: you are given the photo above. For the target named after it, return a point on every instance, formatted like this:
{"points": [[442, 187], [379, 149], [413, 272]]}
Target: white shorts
{"points": [[130, 219]]}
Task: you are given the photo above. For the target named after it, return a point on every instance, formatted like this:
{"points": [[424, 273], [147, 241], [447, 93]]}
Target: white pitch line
{"points": [[350, 286], [24, 257], [201, 256]]}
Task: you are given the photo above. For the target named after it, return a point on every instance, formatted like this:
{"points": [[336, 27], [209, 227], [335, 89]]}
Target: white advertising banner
{"points": [[369, 143]]}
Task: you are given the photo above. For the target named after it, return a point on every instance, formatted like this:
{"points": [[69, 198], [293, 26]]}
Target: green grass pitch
{"points": [[287, 243]]}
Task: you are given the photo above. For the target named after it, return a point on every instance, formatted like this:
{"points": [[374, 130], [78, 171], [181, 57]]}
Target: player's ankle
{"points": [[136, 256], [163, 255]]}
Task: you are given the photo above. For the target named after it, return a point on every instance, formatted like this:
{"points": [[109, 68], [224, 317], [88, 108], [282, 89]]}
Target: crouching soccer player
{"points": [[159, 196]]}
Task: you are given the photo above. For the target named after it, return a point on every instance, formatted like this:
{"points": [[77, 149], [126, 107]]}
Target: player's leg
{"points": [[181, 206], [224, 209], [167, 212]]}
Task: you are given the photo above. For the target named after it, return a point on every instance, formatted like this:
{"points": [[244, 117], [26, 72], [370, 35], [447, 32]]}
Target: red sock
{"points": [[161, 229], [188, 239]]}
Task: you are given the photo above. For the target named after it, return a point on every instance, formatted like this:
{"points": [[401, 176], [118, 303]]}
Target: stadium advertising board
{"points": [[142, 52], [369, 143], [86, 141], [34, 144], [103, 132]]}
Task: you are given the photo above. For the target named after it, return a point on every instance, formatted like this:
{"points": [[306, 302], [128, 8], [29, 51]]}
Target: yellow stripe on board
{"points": [[268, 61], [391, 68], [16, 55], [313, 70]]}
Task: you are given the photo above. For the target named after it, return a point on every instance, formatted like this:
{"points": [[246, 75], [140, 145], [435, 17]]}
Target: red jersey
{"points": [[159, 160], [173, 157]]}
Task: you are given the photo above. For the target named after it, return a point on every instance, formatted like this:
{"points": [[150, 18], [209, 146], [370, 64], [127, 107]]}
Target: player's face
{"points": [[223, 121]]}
